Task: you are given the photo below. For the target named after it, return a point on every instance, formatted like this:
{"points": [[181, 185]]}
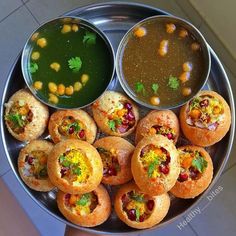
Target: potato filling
{"points": [[155, 161], [163, 130], [205, 112], [35, 165], [193, 165], [75, 166], [81, 204], [122, 118], [70, 127], [110, 162], [19, 116], [137, 206]]}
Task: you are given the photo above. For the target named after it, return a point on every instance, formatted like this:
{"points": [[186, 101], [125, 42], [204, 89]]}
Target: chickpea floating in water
{"points": [[183, 33], [38, 85], [55, 66], [75, 27], [184, 77], [66, 28], [34, 36], [140, 32], [52, 87], [35, 56], [187, 66], [77, 86], [170, 28], [186, 91], [154, 100], [195, 46], [53, 98], [61, 89], [69, 90], [163, 47], [42, 42], [84, 78]]}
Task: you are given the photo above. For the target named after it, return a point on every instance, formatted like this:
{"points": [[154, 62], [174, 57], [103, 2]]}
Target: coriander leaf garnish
{"points": [[77, 171], [137, 212], [66, 163], [75, 125], [75, 64], [33, 67], [137, 197], [61, 158], [155, 87], [173, 82], [194, 103], [152, 167], [199, 163], [139, 88], [89, 38], [16, 119], [112, 125], [83, 200]]}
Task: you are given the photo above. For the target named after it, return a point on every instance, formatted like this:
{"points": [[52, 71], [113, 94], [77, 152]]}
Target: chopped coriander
{"points": [[75, 64], [152, 167], [137, 197], [199, 163], [112, 125], [75, 125], [66, 163], [89, 38], [61, 158], [194, 103], [33, 67], [83, 200], [155, 87], [118, 121], [77, 171], [16, 119], [139, 88], [173, 82], [137, 212]]}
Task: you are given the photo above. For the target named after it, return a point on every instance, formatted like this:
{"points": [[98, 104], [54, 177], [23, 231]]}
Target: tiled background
{"points": [[20, 215]]}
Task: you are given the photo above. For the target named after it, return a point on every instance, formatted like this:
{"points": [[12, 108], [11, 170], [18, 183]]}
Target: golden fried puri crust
{"points": [[42, 185], [161, 207], [99, 215], [162, 118], [192, 188], [107, 103], [159, 186], [204, 137], [93, 157], [124, 151], [57, 117], [40, 116]]}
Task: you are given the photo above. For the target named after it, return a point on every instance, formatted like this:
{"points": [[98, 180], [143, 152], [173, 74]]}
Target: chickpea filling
{"points": [[137, 206], [81, 204], [70, 127], [122, 118], [155, 161], [163, 130], [192, 165], [205, 112], [75, 166], [19, 116], [35, 165], [110, 162]]}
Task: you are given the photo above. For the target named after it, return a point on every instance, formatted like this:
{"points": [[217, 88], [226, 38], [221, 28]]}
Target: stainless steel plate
{"points": [[115, 19]]}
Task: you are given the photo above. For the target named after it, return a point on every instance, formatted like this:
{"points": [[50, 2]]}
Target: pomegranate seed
{"points": [[193, 173], [150, 205], [130, 116], [183, 177], [128, 106], [170, 136], [204, 103], [112, 171], [132, 214], [141, 218], [82, 134], [163, 150], [123, 198], [63, 171], [30, 160], [67, 196], [167, 161], [71, 130], [164, 169]]}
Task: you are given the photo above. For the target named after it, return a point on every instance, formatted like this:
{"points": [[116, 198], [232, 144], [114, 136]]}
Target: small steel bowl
{"points": [[196, 34], [25, 59]]}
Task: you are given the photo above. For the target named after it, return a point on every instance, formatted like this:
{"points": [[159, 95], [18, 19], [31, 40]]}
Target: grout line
{"points": [[11, 13], [5, 172], [31, 13]]}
